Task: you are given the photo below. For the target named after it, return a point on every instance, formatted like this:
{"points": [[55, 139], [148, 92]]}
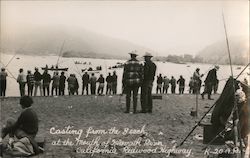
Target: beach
{"points": [[71, 124]]}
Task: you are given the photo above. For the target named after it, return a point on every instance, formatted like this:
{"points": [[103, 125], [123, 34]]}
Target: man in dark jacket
{"points": [[210, 81], [131, 80], [114, 83], [46, 82], [146, 93], [38, 81], [62, 84], [3, 83], [85, 83], [159, 83], [109, 80], [101, 85], [181, 82], [173, 84]]}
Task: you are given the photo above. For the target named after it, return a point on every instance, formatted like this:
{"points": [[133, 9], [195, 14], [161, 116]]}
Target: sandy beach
{"points": [[89, 117]]}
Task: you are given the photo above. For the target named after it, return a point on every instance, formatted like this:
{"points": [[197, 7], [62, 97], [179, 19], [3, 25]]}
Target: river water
{"points": [[28, 62]]}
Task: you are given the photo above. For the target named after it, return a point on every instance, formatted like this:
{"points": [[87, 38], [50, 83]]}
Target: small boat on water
{"points": [[90, 69], [119, 65], [54, 68]]}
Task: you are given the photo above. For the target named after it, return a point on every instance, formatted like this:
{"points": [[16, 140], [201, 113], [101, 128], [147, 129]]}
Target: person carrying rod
{"points": [[210, 81]]}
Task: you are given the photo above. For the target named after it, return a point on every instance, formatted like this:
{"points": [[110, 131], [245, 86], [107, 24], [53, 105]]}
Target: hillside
{"points": [[78, 43], [217, 52]]}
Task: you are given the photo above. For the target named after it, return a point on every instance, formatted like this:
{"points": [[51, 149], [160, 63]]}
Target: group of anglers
{"points": [[195, 83], [36, 80]]}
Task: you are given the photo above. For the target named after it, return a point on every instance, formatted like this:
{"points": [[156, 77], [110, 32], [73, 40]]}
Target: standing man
{"points": [[197, 81], [71, 84], [21, 79], [85, 83], [132, 80], [146, 92], [62, 84], [55, 83], [30, 82], [165, 84], [38, 81], [173, 84], [181, 82], [114, 83], [210, 81], [92, 81], [46, 82], [3, 82], [159, 83], [109, 84], [101, 85]]}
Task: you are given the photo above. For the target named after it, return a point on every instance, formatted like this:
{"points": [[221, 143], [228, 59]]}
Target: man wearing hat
{"points": [[146, 93], [197, 81], [132, 80], [210, 81]]}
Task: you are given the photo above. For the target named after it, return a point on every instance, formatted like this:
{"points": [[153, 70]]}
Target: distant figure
{"points": [[197, 81], [26, 126], [46, 82], [191, 85], [166, 82], [71, 84], [21, 79], [173, 84], [131, 80], [62, 84], [114, 83], [210, 81], [3, 82], [159, 84], [76, 86], [55, 83], [149, 70], [101, 85], [30, 82], [109, 84], [92, 81], [85, 83], [181, 82], [38, 81]]}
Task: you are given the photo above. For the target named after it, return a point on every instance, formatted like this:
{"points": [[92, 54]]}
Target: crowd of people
{"points": [[55, 85]]}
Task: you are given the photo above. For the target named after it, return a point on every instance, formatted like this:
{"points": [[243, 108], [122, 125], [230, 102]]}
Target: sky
{"points": [[163, 26]]}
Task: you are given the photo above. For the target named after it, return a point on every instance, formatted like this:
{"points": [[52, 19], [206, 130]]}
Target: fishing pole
{"points": [[238, 130], [9, 72], [10, 60], [60, 53]]}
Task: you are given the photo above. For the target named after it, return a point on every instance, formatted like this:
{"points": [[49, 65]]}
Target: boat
{"points": [[54, 68], [90, 69]]}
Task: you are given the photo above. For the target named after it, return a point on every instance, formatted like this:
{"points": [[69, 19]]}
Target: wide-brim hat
{"points": [[147, 54], [216, 67]]}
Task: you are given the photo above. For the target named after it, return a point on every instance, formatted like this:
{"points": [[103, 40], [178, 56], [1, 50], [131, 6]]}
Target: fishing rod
{"points": [[9, 72], [10, 60], [60, 53], [236, 129]]}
